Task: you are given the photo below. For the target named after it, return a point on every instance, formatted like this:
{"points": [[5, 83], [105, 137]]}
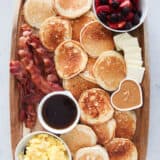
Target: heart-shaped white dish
{"points": [[129, 93]]}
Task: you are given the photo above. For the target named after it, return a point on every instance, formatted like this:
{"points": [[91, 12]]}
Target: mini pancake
{"points": [[81, 136], [79, 23], [126, 124], [95, 39], [70, 59], [105, 131], [72, 9], [77, 85], [92, 153], [109, 70], [121, 149], [36, 11], [53, 31], [88, 72], [95, 106]]}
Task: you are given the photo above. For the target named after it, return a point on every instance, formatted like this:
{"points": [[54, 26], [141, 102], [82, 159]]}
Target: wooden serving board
{"points": [[141, 136]]}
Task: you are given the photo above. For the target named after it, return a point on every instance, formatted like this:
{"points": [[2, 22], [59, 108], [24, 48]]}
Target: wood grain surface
{"points": [[141, 136]]}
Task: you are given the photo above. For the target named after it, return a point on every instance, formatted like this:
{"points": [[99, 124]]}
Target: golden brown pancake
{"points": [[95, 39], [81, 136], [79, 23], [70, 59], [121, 149], [36, 11], [105, 131], [126, 124], [109, 70], [77, 85], [91, 153], [95, 106], [88, 72], [53, 31], [72, 8]]}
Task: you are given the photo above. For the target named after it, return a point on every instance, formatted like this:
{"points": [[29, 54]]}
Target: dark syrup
{"points": [[59, 111]]}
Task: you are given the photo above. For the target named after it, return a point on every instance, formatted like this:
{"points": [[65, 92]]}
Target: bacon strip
{"points": [[35, 74]]}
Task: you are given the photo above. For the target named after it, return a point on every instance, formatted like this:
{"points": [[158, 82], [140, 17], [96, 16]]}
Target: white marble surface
{"points": [[6, 13]]}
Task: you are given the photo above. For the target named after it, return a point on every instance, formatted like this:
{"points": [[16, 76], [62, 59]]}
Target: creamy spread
{"points": [[128, 96]]}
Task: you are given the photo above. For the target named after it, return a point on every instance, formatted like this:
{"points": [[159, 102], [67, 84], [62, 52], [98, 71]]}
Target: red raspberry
{"points": [[126, 3], [129, 17], [121, 24], [118, 25], [97, 3], [104, 8]]}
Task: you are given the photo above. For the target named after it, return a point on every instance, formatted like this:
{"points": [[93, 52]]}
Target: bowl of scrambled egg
{"points": [[42, 146]]}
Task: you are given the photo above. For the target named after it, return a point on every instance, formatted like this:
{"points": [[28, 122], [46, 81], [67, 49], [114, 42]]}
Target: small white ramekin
{"points": [[143, 8], [129, 108], [51, 129], [23, 142]]}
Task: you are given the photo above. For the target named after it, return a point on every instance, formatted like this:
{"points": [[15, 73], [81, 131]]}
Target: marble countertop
{"points": [[7, 8]]}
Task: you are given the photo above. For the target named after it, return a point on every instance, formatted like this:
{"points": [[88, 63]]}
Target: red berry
{"points": [[110, 1], [121, 24], [129, 17], [113, 25], [97, 3], [118, 25], [126, 3], [120, 1], [104, 8]]}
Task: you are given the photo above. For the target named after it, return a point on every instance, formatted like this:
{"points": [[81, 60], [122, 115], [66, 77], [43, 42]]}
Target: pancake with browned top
{"points": [[70, 59], [95, 106], [79, 23], [72, 9], [109, 70], [77, 85], [53, 31], [121, 149], [95, 39], [126, 124]]}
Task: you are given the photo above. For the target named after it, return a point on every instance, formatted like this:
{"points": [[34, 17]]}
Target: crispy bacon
{"points": [[28, 115], [29, 94], [30, 56], [18, 70], [35, 74]]}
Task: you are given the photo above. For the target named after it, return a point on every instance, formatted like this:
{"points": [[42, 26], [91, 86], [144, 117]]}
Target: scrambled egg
{"points": [[45, 147]]}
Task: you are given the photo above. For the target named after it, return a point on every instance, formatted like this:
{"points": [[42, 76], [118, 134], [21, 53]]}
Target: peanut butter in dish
{"points": [[128, 95]]}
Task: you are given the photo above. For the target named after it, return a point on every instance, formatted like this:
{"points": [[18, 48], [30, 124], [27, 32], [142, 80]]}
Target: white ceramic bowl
{"points": [[143, 8], [23, 142], [51, 129]]}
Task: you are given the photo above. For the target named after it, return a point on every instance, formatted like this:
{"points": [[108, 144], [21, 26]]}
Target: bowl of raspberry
{"points": [[120, 15]]}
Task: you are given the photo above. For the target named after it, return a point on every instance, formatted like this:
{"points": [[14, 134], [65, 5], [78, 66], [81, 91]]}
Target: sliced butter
{"points": [[118, 39], [130, 57], [135, 73]]}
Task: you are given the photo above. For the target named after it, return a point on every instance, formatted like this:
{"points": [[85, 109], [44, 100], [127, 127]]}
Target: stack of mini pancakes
{"points": [[90, 68]]}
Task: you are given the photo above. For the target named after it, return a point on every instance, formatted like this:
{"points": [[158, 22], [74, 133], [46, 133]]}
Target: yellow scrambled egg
{"points": [[45, 147]]}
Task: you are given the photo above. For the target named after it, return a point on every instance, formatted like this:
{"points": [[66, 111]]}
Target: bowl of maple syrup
{"points": [[59, 112]]}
